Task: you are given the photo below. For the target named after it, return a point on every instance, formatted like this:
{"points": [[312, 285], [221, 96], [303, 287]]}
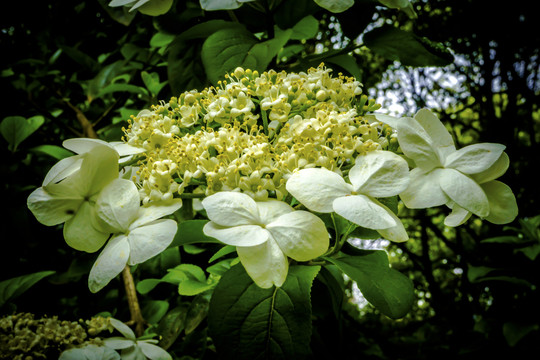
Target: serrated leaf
{"points": [[404, 46], [386, 289], [14, 287], [15, 129], [248, 322]]}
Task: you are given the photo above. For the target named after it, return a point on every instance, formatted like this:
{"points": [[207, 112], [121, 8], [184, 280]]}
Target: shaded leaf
{"points": [[15, 129], [14, 287], [190, 232], [404, 46]]}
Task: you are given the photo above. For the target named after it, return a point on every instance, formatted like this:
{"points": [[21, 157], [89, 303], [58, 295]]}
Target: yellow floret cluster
{"points": [[251, 132]]}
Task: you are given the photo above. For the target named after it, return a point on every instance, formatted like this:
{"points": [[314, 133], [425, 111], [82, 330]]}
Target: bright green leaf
{"points": [[248, 322], [387, 289]]}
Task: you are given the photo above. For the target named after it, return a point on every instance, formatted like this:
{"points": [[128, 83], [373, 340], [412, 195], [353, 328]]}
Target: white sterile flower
{"points": [[82, 146], [264, 233], [138, 235], [132, 348], [377, 174], [72, 199], [462, 179]]}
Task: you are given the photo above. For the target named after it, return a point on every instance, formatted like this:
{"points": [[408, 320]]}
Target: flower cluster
{"points": [[251, 147]]}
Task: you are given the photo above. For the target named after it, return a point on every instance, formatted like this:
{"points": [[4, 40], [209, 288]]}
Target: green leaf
{"points": [[185, 70], [390, 291], [54, 151], [226, 250], [190, 232], [407, 48], [160, 39], [14, 287], [103, 78], [197, 311], [154, 310], [248, 322], [172, 324], [514, 332], [151, 81], [306, 28], [347, 63], [15, 129], [227, 49], [118, 87], [503, 240]]}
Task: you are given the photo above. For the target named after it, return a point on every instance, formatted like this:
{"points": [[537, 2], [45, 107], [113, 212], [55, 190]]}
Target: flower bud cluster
{"points": [[251, 132], [24, 337]]}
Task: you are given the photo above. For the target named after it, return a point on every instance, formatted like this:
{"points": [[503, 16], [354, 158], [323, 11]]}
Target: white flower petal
{"points": [[82, 145], [391, 121], [363, 211], [118, 204], [52, 210], [301, 235], [396, 233], [109, 264], [475, 158], [494, 171], [271, 209], [440, 137], [231, 209], [63, 169], [149, 240], [457, 217], [123, 329], [118, 342], [416, 143], [503, 207], [424, 190], [80, 233], [153, 352], [265, 263], [124, 149], [241, 235], [99, 167], [379, 174], [317, 188], [155, 210], [465, 192]]}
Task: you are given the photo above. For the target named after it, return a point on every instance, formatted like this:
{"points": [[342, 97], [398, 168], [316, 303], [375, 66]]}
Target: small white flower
{"points": [[138, 235], [72, 199], [376, 174], [264, 233], [462, 179]]}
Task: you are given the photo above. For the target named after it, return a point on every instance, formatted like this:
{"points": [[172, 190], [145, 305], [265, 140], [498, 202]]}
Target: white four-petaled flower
{"points": [[377, 174], [462, 179], [265, 233], [71, 201], [138, 232]]}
